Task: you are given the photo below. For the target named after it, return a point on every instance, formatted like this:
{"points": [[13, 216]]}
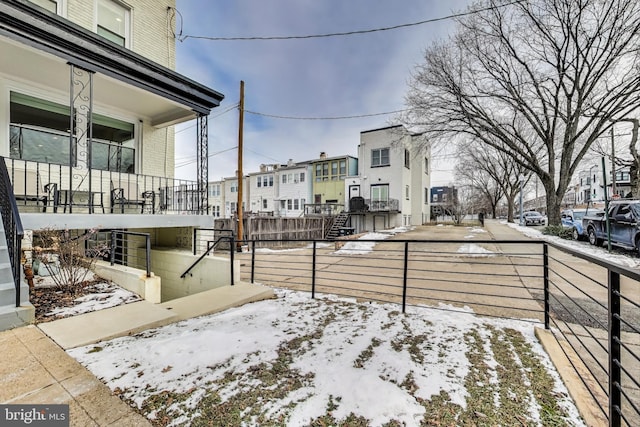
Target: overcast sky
{"points": [[318, 77]]}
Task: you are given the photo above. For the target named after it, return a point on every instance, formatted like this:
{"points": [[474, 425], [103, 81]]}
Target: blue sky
{"points": [[320, 77]]}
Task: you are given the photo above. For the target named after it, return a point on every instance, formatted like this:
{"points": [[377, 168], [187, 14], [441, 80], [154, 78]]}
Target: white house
{"points": [[294, 189], [392, 185]]}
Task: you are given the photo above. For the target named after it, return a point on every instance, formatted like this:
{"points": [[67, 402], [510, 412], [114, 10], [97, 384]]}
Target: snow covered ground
{"points": [[295, 361]]}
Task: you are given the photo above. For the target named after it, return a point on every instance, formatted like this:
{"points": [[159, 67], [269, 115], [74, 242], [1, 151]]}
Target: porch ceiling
{"points": [[37, 46], [37, 68]]}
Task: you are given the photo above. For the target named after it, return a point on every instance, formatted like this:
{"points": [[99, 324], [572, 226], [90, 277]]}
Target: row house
{"points": [[90, 97], [391, 188], [589, 185]]}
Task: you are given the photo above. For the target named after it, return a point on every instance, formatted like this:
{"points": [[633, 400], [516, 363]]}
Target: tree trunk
{"points": [[510, 207], [553, 207]]}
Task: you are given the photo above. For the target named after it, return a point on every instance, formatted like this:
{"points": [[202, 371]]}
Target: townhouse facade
{"points": [[89, 99], [392, 186]]}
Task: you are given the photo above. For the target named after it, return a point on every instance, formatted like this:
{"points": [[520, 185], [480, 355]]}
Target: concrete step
{"points": [[13, 317], [8, 293]]}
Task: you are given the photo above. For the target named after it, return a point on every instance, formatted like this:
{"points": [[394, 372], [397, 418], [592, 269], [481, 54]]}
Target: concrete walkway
{"points": [[35, 369]]}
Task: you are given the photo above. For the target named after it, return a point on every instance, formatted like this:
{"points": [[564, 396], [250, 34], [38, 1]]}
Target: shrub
{"points": [[62, 253], [558, 230]]}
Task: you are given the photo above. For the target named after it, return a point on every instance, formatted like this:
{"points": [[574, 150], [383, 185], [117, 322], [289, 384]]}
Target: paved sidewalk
{"points": [[35, 370]]}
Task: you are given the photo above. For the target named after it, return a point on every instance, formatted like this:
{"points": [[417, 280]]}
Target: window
{"points": [[426, 165], [234, 187], [259, 183], [264, 204], [113, 22], [301, 176], [426, 196], [380, 157], [282, 204], [270, 177], [113, 147], [435, 197], [289, 204], [343, 169], [407, 159], [406, 192], [284, 178], [296, 205], [334, 171], [39, 131], [380, 192], [52, 6]]}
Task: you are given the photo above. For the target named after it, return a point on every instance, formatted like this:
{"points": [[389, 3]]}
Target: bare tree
{"points": [[493, 173], [466, 203], [540, 80]]}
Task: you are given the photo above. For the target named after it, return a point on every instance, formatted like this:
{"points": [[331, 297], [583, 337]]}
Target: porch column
{"points": [[80, 129], [203, 163]]}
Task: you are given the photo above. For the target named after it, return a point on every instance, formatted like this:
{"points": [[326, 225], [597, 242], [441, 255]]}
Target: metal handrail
{"points": [[12, 227], [147, 237], [207, 252]]}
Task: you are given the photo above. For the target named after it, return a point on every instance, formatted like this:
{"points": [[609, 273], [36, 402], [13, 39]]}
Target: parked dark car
{"points": [[624, 220], [532, 218], [572, 219]]}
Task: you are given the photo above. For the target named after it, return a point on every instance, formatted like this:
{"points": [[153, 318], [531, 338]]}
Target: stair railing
{"points": [[12, 226]]}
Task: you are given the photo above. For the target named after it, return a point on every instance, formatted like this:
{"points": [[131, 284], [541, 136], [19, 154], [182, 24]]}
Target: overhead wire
{"points": [[323, 118], [350, 33]]}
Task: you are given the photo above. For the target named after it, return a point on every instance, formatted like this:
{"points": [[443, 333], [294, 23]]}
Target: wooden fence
{"points": [[278, 228]]}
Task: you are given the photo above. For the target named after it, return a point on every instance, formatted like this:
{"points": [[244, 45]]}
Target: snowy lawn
{"points": [[297, 361]]}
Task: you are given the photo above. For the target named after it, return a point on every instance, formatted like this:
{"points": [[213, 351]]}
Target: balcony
{"points": [[53, 188]]}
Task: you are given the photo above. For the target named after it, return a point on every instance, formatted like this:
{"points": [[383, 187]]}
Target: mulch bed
{"points": [[45, 299]]}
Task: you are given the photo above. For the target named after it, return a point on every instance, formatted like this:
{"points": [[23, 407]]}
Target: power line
{"points": [[323, 118], [186, 163], [234, 106], [350, 33]]}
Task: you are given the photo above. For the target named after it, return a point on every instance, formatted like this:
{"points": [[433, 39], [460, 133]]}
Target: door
{"points": [[354, 191]]}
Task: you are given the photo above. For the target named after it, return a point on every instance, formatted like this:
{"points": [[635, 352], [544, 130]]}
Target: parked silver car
{"points": [[532, 218]]}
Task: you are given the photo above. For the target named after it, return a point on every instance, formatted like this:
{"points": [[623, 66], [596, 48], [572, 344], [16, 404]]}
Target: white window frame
{"points": [[61, 6], [127, 18], [380, 163]]}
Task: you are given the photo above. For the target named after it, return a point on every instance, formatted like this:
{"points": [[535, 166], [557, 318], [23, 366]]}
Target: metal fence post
{"points": [[313, 271], [231, 256], [404, 276], [545, 274], [195, 231], [615, 394], [113, 247], [148, 247], [253, 260]]}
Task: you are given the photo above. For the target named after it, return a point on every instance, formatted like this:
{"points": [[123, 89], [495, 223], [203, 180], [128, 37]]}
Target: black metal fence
{"points": [[591, 306], [131, 249], [54, 188], [13, 230]]}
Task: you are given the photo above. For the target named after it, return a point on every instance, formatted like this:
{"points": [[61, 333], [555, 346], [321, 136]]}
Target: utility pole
{"points": [[240, 173]]}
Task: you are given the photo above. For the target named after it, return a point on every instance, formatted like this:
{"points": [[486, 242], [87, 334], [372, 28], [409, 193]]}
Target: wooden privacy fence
{"points": [[278, 228]]}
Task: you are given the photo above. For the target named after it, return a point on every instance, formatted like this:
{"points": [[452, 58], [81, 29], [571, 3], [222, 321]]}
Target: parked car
{"points": [[572, 219], [624, 220], [532, 218]]}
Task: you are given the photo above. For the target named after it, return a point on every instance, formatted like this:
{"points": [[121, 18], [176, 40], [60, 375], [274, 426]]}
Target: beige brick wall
{"points": [[158, 156], [151, 26]]}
